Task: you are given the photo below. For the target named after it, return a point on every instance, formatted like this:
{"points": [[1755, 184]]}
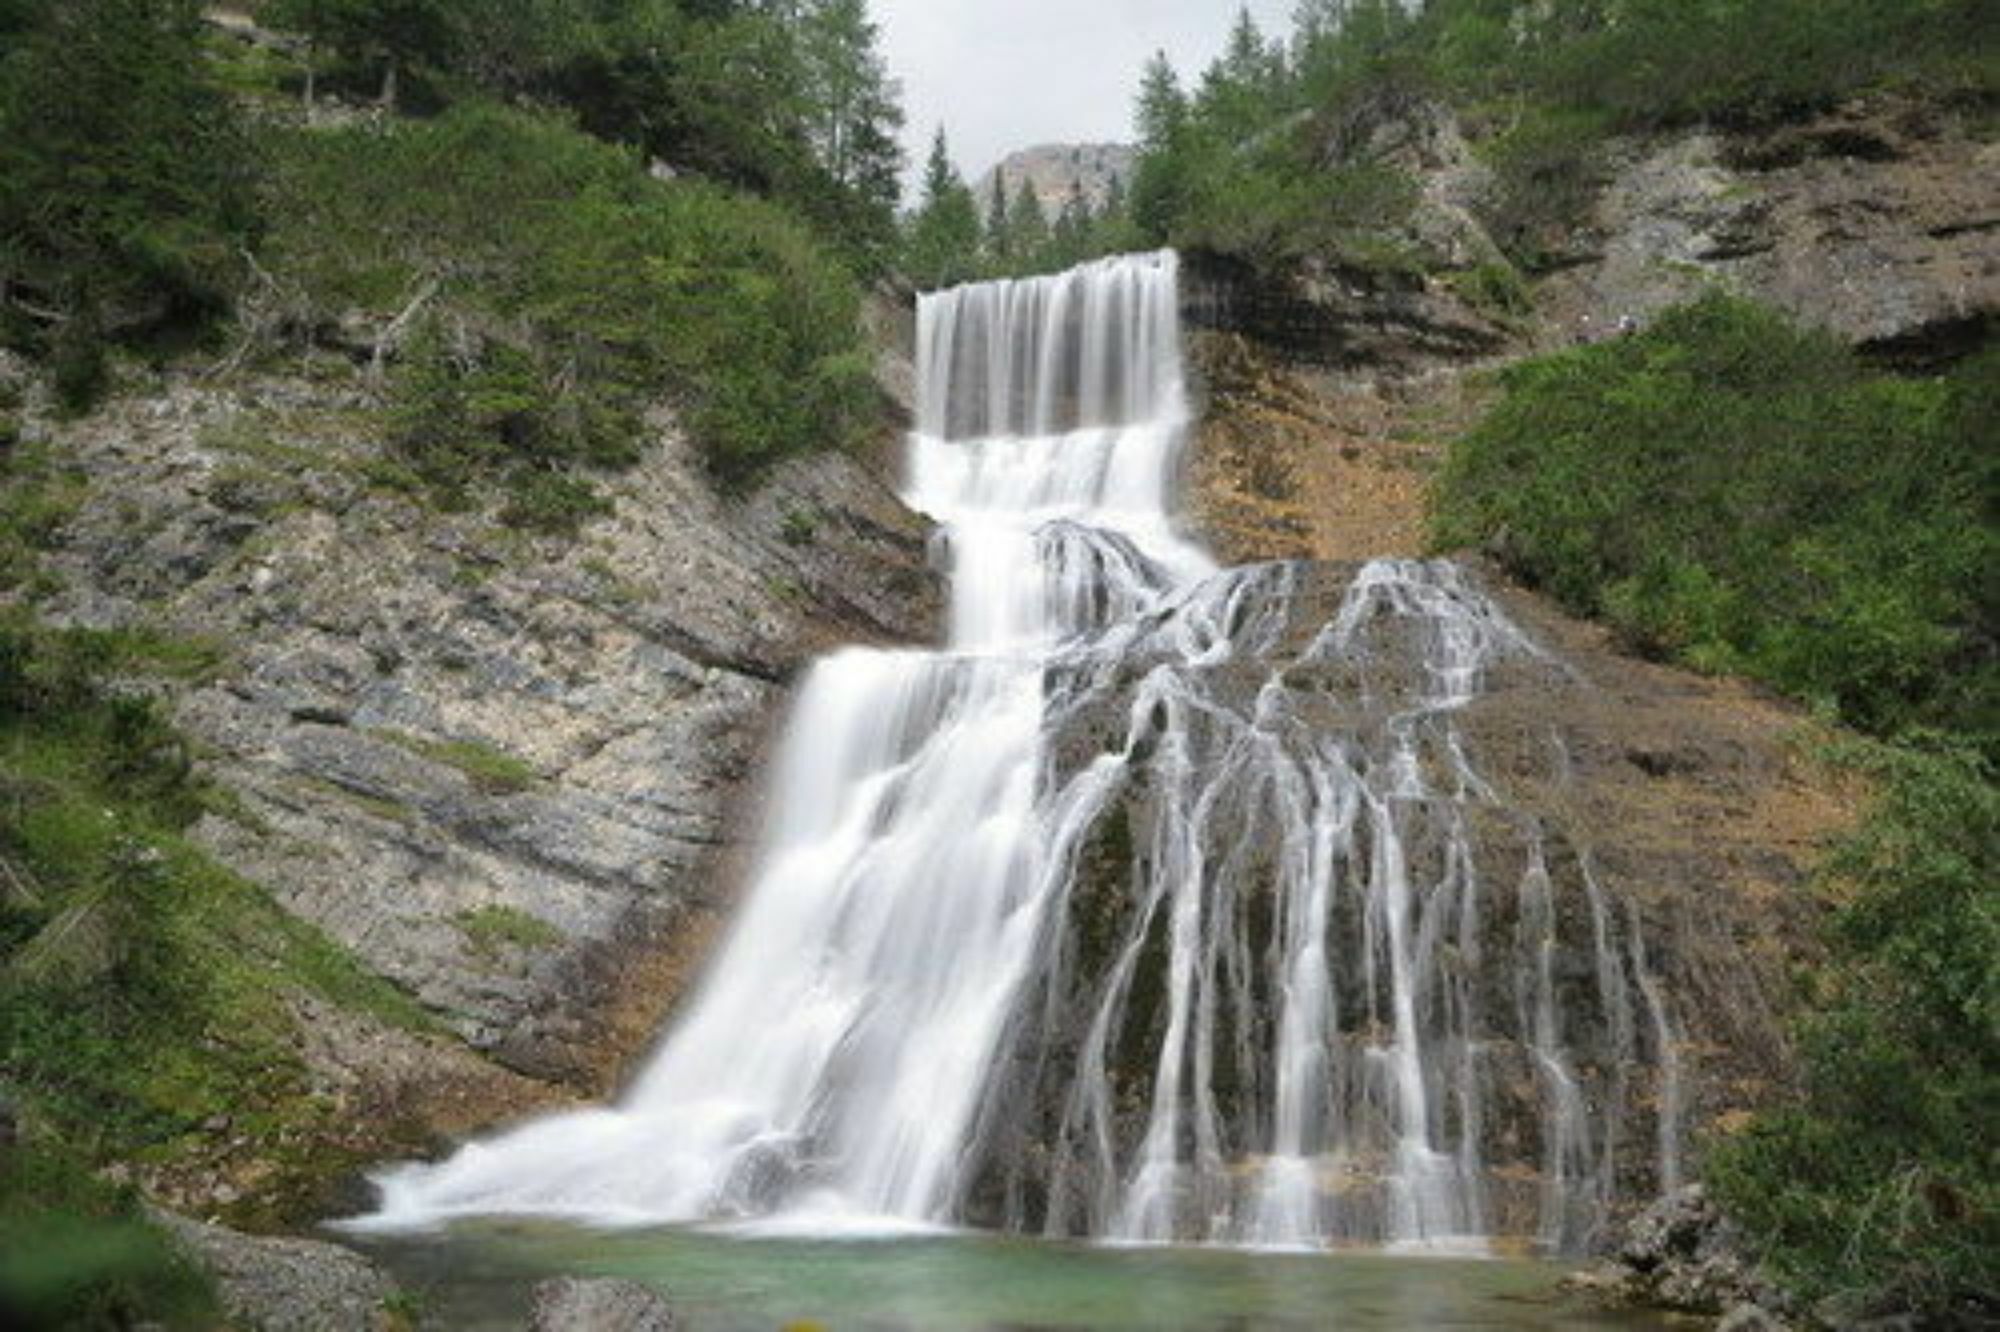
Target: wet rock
{"points": [[1681, 1253], [575, 1304], [286, 1285], [1632, 924], [1751, 1318]]}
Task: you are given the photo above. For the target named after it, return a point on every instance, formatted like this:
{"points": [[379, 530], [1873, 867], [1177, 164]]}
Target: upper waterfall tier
{"points": [[1097, 346]]}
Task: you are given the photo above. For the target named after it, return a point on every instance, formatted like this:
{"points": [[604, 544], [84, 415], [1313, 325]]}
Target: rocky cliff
{"points": [[1879, 221], [1056, 172], [1329, 397], [511, 774]]}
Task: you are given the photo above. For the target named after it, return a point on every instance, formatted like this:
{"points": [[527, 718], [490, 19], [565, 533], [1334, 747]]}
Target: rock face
{"points": [[287, 1285], [1293, 462], [574, 1304], [1682, 1253], [509, 773], [1056, 172], [1879, 222], [1605, 861]]}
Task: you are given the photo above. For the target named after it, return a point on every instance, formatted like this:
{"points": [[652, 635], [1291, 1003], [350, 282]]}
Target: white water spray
{"points": [[1263, 1025]]}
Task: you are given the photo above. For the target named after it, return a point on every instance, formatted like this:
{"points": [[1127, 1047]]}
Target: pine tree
{"points": [[1027, 226], [1163, 108], [996, 216], [1163, 179], [941, 242], [853, 116], [1070, 239], [125, 182]]}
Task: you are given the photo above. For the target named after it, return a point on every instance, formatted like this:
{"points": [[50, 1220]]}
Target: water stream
{"points": [[1154, 907]]}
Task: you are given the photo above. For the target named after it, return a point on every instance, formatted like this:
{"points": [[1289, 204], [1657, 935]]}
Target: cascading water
{"points": [[1149, 909]]}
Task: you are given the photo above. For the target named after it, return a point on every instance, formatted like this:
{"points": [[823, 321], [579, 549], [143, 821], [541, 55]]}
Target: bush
{"points": [[1877, 1187], [553, 290], [125, 184], [1735, 493], [80, 1255]]}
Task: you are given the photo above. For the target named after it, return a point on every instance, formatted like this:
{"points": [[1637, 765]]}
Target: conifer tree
{"points": [[941, 244], [853, 115], [996, 217], [1027, 225], [125, 183], [1161, 185]]}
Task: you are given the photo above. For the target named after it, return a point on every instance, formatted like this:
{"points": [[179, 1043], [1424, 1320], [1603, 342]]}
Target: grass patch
{"points": [[38, 496], [145, 991], [493, 929], [492, 770]]}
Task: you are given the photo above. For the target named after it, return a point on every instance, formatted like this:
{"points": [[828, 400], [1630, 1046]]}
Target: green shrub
{"points": [[1878, 1187], [1548, 167], [79, 1254], [553, 290], [1735, 493], [144, 990], [125, 186]]}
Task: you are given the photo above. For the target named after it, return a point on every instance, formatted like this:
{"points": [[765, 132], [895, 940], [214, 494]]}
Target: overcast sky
{"points": [[1008, 74]]}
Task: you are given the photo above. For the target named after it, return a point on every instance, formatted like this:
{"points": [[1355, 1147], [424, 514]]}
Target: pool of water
{"points": [[477, 1277]]}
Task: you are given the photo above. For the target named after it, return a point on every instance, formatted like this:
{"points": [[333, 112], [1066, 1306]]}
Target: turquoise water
{"points": [[478, 1277]]}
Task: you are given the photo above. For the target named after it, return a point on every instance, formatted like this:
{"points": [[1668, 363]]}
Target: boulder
{"points": [[286, 1285], [577, 1304]]}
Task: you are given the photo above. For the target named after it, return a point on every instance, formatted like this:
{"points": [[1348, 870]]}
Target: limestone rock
{"points": [[1055, 171], [510, 773], [1682, 1253], [574, 1304], [286, 1285], [1879, 222]]}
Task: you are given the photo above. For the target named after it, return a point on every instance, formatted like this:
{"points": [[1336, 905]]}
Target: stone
{"points": [[286, 1285], [576, 1304], [1875, 222], [1682, 1253], [1751, 1318], [419, 717]]}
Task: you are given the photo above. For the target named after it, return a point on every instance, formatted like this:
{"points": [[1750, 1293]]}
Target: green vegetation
{"points": [[547, 289], [493, 771], [492, 929], [1734, 493], [1878, 1187], [37, 496], [1275, 157], [143, 989], [1737, 494], [534, 286], [77, 1253], [1260, 162], [789, 101], [125, 193], [947, 241]]}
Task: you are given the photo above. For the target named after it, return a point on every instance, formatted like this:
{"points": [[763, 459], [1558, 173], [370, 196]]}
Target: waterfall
{"points": [[1151, 908]]}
